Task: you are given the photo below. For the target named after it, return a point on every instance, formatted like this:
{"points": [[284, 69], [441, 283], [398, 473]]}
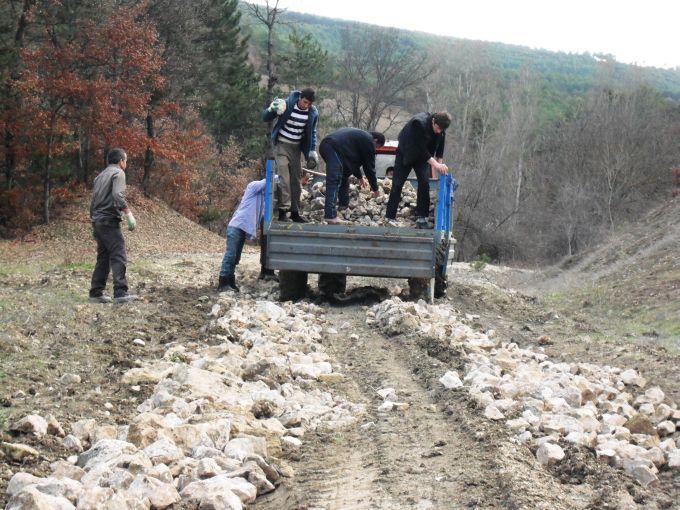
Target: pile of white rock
{"points": [[219, 426], [545, 404], [363, 208]]}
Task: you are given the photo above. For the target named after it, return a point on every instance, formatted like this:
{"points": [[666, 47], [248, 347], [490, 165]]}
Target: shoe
{"points": [[124, 298], [389, 222], [422, 223], [268, 275], [295, 216], [283, 215], [227, 283], [99, 299], [223, 284], [335, 221]]}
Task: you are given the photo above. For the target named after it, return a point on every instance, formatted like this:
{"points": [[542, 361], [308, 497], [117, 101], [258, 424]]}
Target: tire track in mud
{"points": [[439, 454], [417, 459]]}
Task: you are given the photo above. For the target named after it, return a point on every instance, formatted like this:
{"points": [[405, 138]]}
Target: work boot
{"points": [[268, 275], [100, 298], [232, 283], [124, 298], [283, 215], [295, 216], [223, 284], [422, 223]]}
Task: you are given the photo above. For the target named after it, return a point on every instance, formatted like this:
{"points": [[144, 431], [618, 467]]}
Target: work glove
{"points": [[312, 160], [278, 106], [131, 222]]}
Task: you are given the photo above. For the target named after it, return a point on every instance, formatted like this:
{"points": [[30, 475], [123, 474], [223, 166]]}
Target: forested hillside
{"points": [[552, 150]]}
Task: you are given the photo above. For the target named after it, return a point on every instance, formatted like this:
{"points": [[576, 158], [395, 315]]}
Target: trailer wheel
{"points": [[421, 288], [292, 285], [331, 283]]}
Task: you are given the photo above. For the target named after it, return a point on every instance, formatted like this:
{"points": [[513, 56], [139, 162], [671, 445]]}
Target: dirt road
{"points": [[437, 451]]}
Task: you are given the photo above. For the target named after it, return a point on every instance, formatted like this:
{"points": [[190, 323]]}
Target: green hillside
{"points": [[562, 73]]}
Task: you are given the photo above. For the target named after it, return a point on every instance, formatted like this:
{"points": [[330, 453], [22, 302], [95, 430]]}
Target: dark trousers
{"points": [[337, 180], [401, 171], [110, 256]]}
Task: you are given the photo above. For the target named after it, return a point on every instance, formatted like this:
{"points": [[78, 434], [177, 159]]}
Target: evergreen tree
{"points": [[305, 62], [231, 93]]}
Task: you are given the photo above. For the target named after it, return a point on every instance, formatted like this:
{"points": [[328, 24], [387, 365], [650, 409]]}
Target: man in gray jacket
{"points": [[108, 202]]}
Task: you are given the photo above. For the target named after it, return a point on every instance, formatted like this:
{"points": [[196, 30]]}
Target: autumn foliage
{"points": [[73, 93]]}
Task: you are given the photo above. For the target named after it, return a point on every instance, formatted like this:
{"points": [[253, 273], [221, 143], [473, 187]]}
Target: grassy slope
{"points": [[630, 283]]}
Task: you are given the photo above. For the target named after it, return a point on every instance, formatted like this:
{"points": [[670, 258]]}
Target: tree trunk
{"points": [[10, 161], [148, 156]]}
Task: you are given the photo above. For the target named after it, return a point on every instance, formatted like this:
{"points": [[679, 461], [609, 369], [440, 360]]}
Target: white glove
{"points": [[131, 222], [278, 106], [313, 160]]}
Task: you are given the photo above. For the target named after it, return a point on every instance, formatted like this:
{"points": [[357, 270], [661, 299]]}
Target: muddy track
{"points": [[439, 454], [425, 457]]}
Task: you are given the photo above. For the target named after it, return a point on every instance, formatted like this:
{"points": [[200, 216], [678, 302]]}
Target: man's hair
{"points": [[115, 156], [307, 94], [442, 119], [378, 137]]}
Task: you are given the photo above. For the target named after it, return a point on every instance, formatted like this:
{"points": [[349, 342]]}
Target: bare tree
{"points": [[376, 73], [269, 15]]}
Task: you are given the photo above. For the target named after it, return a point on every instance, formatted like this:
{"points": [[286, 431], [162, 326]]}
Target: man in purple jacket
{"points": [[244, 224]]}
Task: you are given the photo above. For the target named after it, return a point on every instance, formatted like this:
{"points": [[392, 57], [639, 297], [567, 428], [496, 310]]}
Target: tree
{"points": [[229, 83], [12, 29], [269, 15], [305, 61], [98, 85], [377, 71]]}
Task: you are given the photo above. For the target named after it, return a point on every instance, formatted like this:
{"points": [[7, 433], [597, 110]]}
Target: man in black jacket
{"points": [[345, 151], [421, 148]]}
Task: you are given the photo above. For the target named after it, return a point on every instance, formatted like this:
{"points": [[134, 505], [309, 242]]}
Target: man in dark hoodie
{"points": [[108, 202], [347, 151], [421, 148]]}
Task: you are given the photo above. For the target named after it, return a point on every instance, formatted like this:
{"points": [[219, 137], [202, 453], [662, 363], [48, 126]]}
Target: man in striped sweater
{"points": [[294, 135]]}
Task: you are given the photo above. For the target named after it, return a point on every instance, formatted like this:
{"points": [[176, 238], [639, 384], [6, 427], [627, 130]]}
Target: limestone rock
{"points": [[640, 424], [631, 377], [207, 468], [160, 494], [493, 413], [31, 424], [641, 472], [72, 443], [54, 428], [67, 379], [549, 453], [103, 451], [63, 469], [451, 380], [163, 451], [21, 480], [83, 429], [666, 428], [19, 452], [32, 499], [94, 498]]}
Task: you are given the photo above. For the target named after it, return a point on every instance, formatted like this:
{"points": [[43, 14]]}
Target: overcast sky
{"points": [[645, 32]]}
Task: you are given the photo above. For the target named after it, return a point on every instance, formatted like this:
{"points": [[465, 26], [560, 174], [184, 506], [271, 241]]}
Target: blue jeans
{"points": [[235, 239], [337, 183]]}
